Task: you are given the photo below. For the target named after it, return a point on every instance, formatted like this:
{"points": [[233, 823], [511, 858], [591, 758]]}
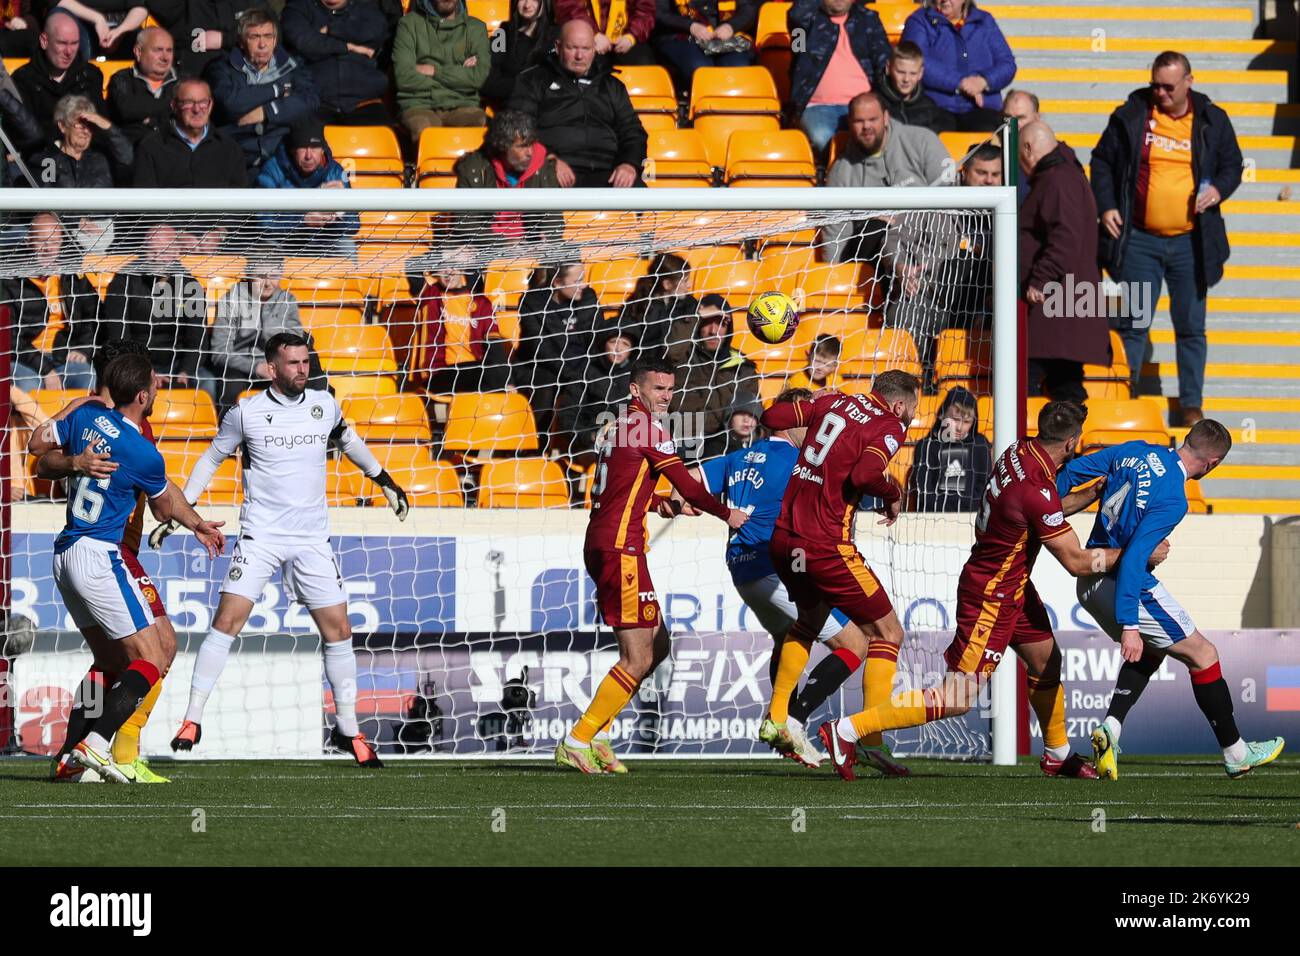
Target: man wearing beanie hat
{"points": [[304, 161]]}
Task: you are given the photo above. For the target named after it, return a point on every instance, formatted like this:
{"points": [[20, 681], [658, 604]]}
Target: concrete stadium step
{"points": [[1242, 281], [1182, 21], [1255, 215], [1246, 314], [1267, 86], [1254, 489], [1091, 52], [1261, 506], [1248, 119], [1264, 152], [1267, 191]]}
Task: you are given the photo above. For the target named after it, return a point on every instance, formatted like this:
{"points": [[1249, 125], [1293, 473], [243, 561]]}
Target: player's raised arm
{"points": [[229, 437], [667, 463], [782, 415], [1083, 469], [350, 443]]}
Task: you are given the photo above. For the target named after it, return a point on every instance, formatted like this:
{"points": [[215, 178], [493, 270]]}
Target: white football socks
{"points": [[208, 665], [341, 672], [846, 729], [1113, 726], [1236, 753], [1058, 753]]}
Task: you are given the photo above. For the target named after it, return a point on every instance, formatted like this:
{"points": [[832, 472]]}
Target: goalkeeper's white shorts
{"points": [[311, 573], [99, 590], [771, 604], [1162, 621]]}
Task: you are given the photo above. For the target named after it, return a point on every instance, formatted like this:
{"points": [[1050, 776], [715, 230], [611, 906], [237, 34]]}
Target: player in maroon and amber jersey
{"points": [[54, 464], [634, 451], [848, 444], [997, 606]]}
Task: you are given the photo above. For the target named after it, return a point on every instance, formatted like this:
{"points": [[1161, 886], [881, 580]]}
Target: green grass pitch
{"points": [[1162, 811]]}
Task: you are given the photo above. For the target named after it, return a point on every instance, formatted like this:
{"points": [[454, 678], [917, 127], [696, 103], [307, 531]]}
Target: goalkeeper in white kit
{"points": [[285, 433]]}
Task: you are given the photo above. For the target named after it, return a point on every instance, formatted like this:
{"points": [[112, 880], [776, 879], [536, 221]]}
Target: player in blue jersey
{"points": [[104, 599], [753, 479], [1143, 499]]}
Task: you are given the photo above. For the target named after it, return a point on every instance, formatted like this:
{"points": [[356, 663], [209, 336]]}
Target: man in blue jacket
{"points": [[1143, 499], [1166, 161], [304, 161], [259, 89]]}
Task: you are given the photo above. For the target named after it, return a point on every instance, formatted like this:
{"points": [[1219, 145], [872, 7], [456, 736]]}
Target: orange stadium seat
{"points": [[13, 63], [651, 90], [927, 411], [506, 281], [784, 154], [490, 422], [676, 157], [362, 386], [491, 12], [425, 481], [1108, 389], [826, 287], [1196, 503], [315, 319], [180, 457], [716, 129], [734, 279], [344, 482], [782, 359], [1113, 422], [872, 351], [893, 14], [1033, 407], [606, 228], [614, 279], [371, 154], [410, 227], [1116, 371], [522, 483], [959, 144], [769, 388], [773, 45], [109, 67], [353, 349], [389, 418], [51, 401], [733, 89], [440, 148], [180, 413], [962, 359]]}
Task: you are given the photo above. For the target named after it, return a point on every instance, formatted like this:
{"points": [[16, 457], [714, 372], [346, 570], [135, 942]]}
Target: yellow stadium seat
{"points": [[735, 280], [824, 287], [180, 457], [491, 12], [314, 319], [427, 483], [959, 144], [381, 180], [51, 401], [389, 418], [378, 226], [1117, 370], [773, 44], [651, 90], [607, 228], [1106, 388], [614, 279], [490, 422], [893, 14], [370, 155], [322, 281], [352, 349], [773, 183], [13, 63], [1113, 422], [784, 154], [109, 67], [506, 281], [1033, 408], [900, 465], [733, 89], [702, 257], [873, 351], [441, 147], [183, 413], [343, 482], [962, 359], [676, 157], [522, 483], [1196, 503], [362, 386]]}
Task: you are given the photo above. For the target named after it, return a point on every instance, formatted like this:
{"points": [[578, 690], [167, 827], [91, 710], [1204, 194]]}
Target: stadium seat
{"points": [[1116, 371], [1196, 503], [782, 267], [13, 63], [766, 156], [180, 457], [427, 483], [651, 90], [603, 228], [959, 144], [614, 279], [522, 483], [773, 45], [180, 413], [715, 131], [962, 359], [51, 401], [900, 466], [927, 410], [827, 287], [491, 12], [507, 280], [676, 157], [1113, 422], [411, 227], [769, 388], [344, 482], [314, 319], [440, 148], [362, 386], [388, 418], [735, 90], [349, 350], [490, 422], [781, 359], [893, 14], [874, 350], [109, 67], [370, 153], [321, 282], [1033, 407], [735, 280], [1108, 389]]}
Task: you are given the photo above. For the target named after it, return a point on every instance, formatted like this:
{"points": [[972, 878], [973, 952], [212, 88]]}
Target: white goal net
{"points": [[476, 350]]}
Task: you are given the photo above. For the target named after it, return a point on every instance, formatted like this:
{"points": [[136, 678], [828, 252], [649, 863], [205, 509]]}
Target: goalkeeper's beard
{"points": [[290, 387]]}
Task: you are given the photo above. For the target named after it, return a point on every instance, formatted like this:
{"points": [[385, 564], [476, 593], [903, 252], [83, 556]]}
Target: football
{"points": [[773, 317]]}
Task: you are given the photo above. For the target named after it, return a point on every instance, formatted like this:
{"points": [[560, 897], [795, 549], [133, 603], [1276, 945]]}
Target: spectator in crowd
{"points": [[591, 397], [822, 370], [905, 97], [845, 53], [584, 115], [103, 23], [953, 463], [621, 28], [558, 316], [139, 99], [18, 34], [880, 153], [254, 309], [204, 30], [690, 34], [18, 123], [983, 167], [523, 40], [260, 89], [304, 161], [67, 363], [1182, 151], [659, 299], [441, 59], [1058, 239], [714, 381], [1021, 104], [57, 70], [457, 346], [188, 152], [511, 158], [967, 61], [742, 429], [90, 153], [154, 301], [341, 40]]}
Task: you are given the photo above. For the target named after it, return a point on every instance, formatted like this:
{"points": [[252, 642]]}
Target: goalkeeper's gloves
{"points": [[160, 533], [395, 495]]}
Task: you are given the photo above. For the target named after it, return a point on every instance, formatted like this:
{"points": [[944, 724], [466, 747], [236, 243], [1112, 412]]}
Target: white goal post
{"points": [[738, 217]]}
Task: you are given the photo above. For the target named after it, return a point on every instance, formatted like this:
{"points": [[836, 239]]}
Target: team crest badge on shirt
{"points": [[149, 593], [236, 574], [648, 612], [317, 412]]}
